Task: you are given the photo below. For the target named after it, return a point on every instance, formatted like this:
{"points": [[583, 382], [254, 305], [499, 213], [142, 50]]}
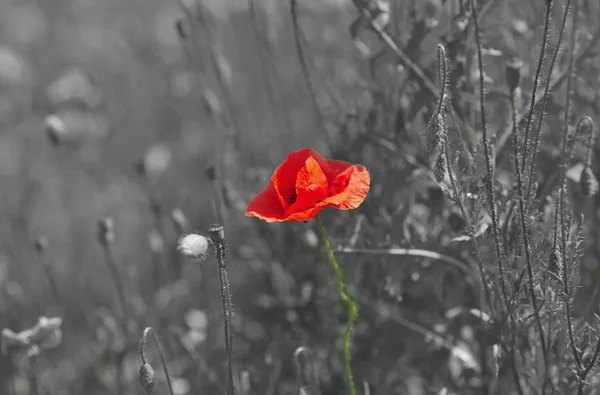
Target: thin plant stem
{"points": [[583, 375], [150, 331], [544, 100], [462, 266], [310, 85], [217, 236], [49, 275], [116, 275], [536, 79], [581, 56], [566, 292], [525, 234], [488, 161], [198, 359], [34, 385], [346, 298]]}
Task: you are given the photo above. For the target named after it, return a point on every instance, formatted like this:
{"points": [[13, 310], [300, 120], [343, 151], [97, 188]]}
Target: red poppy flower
{"points": [[305, 184]]}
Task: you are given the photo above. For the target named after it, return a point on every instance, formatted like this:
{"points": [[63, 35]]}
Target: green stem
{"points": [[346, 298]]}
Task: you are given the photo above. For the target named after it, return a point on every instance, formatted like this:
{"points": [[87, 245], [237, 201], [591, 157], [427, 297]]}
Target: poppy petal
{"points": [[306, 214], [311, 187], [335, 167], [284, 177], [349, 189], [266, 205]]}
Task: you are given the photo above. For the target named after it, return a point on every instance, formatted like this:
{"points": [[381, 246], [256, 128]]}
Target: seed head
{"points": [[440, 168], [436, 133], [513, 73], [194, 246], [146, 378], [588, 182], [217, 233]]}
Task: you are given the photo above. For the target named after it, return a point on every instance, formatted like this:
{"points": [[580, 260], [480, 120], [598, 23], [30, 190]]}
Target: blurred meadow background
{"points": [[126, 109]]}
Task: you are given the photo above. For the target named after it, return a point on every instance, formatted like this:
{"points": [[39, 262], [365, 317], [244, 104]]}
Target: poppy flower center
{"points": [[292, 198]]}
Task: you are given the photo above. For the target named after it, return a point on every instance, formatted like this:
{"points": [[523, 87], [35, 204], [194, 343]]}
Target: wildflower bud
{"points": [[40, 244], [440, 168], [211, 173], [55, 129], [588, 182], [146, 378], [555, 263], [180, 220], [436, 133], [194, 246], [585, 126], [305, 367], [106, 232], [513, 73]]}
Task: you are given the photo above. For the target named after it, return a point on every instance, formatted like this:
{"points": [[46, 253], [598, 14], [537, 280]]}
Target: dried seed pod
{"points": [[513, 73], [440, 169], [436, 133], [588, 182], [146, 378]]}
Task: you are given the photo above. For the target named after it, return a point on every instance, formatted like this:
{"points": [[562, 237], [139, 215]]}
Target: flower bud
{"points": [[194, 246], [555, 263], [585, 126], [440, 168], [146, 378], [436, 133], [513, 73], [588, 182]]}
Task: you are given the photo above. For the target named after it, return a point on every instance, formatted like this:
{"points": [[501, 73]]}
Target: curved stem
{"points": [[346, 298], [147, 331]]}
